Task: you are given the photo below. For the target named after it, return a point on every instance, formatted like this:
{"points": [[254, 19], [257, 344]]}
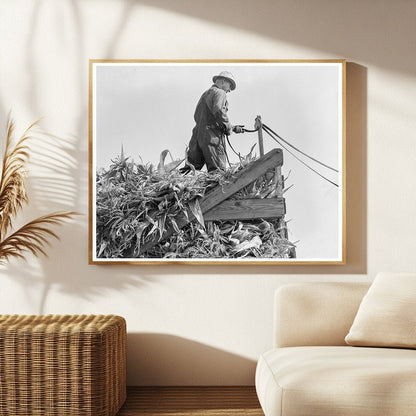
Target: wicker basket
{"points": [[71, 365]]}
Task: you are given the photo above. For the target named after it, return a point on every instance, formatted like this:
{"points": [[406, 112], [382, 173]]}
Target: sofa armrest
{"points": [[315, 313]]}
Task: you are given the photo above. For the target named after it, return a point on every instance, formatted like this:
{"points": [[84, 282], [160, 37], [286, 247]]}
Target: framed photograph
{"points": [[217, 162]]}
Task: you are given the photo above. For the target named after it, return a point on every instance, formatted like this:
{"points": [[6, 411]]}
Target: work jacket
{"points": [[211, 111]]}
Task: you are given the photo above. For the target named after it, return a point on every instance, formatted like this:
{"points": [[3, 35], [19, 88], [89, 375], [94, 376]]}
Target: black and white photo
{"points": [[217, 162]]}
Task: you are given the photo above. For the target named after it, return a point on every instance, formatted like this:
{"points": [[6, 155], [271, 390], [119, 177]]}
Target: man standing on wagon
{"points": [[207, 144]]}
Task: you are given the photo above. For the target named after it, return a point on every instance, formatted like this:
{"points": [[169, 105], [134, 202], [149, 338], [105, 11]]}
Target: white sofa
{"points": [[312, 371]]}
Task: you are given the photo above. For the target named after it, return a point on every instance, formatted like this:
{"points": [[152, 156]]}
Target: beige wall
{"points": [[204, 325]]}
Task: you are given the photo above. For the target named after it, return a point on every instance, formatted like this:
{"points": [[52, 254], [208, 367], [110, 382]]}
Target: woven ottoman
{"points": [[70, 365]]}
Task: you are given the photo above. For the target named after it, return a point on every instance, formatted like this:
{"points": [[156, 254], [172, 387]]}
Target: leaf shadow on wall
{"points": [[52, 186], [163, 359], [59, 180]]}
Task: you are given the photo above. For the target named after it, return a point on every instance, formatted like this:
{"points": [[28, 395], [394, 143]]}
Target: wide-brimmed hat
{"points": [[228, 76]]}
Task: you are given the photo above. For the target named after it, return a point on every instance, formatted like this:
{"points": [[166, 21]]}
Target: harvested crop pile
{"points": [[136, 203]]}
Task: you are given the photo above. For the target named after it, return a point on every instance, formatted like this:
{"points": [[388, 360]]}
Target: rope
{"points": [[298, 150], [232, 148], [272, 133], [301, 161], [250, 131], [225, 151]]}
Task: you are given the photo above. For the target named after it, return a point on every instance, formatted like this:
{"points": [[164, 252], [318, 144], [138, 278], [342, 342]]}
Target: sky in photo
{"points": [[147, 108]]}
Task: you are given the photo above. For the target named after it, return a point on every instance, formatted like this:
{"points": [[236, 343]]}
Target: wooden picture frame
{"points": [[141, 116]]}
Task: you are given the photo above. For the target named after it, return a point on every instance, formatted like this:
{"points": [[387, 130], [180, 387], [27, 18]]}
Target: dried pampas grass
{"points": [[33, 236]]}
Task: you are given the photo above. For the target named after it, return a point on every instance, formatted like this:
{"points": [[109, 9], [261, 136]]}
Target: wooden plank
{"points": [[279, 181], [246, 209], [243, 178], [221, 192]]}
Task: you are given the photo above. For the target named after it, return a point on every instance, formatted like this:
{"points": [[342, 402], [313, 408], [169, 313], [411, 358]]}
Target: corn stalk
{"points": [[138, 202]]}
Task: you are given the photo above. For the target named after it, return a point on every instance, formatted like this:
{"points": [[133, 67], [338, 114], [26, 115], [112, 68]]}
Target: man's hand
{"points": [[238, 129]]}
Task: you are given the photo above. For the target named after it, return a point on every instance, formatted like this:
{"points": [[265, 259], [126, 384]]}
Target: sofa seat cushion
{"points": [[335, 381]]}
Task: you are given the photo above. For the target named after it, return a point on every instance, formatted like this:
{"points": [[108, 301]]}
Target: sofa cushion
{"points": [[342, 380], [315, 313], [386, 316]]}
